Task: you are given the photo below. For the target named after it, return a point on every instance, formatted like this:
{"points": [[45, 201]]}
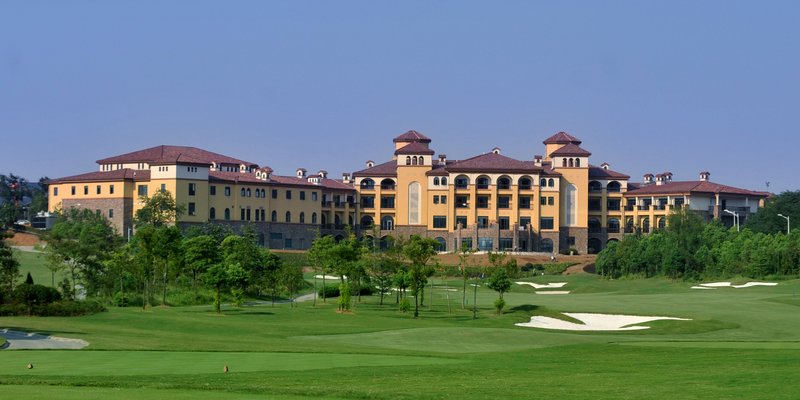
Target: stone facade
{"points": [[118, 211]]}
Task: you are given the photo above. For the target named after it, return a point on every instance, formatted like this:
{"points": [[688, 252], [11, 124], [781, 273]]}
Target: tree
{"points": [[272, 265], [500, 282], [158, 210], [320, 255], [216, 277], [419, 251], [464, 256], [237, 279], [82, 240], [167, 249], [9, 268], [291, 278], [244, 251], [767, 220], [200, 253], [12, 191]]}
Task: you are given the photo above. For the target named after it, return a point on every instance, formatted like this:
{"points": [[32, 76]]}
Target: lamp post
{"points": [[788, 224], [735, 218]]}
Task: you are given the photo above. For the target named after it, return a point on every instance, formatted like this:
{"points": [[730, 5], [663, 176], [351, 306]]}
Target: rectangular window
{"points": [[110, 213], [387, 201], [571, 241], [485, 244], [546, 223], [86, 190], [142, 190], [504, 202], [595, 204], [439, 221], [287, 243], [302, 195], [163, 187], [543, 201], [191, 209], [504, 223], [435, 199], [275, 236], [313, 196], [212, 190], [288, 195], [466, 242], [111, 189], [98, 189], [483, 222], [613, 204], [241, 214], [483, 202], [97, 212], [524, 222], [550, 201], [192, 189], [462, 201], [506, 244], [461, 219], [247, 214], [55, 191], [525, 202], [368, 202], [274, 193], [227, 191], [73, 190], [443, 199]]}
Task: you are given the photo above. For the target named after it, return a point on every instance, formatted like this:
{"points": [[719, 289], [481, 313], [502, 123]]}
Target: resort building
{"points": [[556, 202]]}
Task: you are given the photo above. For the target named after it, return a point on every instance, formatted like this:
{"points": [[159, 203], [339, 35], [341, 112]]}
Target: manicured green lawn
{"points": [[740, 343], [36, 264]]}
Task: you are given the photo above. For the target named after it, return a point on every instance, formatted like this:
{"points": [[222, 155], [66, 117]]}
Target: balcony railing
{"points": [[644, 208], [629, 208], [660, 207], [387, 187]]}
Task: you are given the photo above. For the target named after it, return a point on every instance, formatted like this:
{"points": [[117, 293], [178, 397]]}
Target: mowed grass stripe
{"points": [[114, 363], [82, 393]]}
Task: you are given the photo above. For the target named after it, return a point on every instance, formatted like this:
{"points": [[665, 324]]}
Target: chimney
{"points": [[605, 166], [496, 150], [301, 172], [704, 176], [537, 160], [323, 174], [648, 178], [659, 179], [370, 164], [346, 178], [667, 177], [443, 159]]}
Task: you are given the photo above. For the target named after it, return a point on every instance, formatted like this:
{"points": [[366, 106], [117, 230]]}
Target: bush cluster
{"points": [[333, 291]]}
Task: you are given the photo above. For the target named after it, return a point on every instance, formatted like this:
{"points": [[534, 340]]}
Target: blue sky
{"points": [[649, 86]]}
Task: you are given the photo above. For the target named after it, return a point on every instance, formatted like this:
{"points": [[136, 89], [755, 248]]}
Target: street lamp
{"points": [[788, 224], [735, 218]]}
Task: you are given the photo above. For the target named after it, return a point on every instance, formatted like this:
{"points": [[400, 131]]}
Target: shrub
{"points": [[34, 295], [405, 305], [499, 304], [333, 291]]}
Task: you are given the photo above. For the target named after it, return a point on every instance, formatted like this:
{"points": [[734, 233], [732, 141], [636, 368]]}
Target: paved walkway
{"points": [[16, 340]]}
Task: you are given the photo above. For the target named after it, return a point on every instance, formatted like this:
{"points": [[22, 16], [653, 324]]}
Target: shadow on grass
{"points": [[46, 332]]}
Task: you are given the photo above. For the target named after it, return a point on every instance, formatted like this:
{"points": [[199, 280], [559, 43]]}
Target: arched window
{"points": [[662, 223], [387, 184], [543, 182], [436, 181], [288, 216], [462, 181], [212, 213], [413, 203], [546, 245], [368, 184], [263, 214], [227, 214], [578, 162], [594, 225], [595, 245], [571, 205], [241, 192], [571, 162], [408, 160], [613, 187], [324, 220], [387, 223], [646, 224], [551, 182], [441, 244], [482, 182], [414, 160], [524, 183], [249, 193], [444, 180], [563, 162], [504, 182], [595, 186], [366, 222], [274, 216], [613, 225], [302, 218], [313, 218]]}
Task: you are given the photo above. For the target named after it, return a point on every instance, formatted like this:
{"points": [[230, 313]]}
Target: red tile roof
{"points": [[601, 173], [439, 169], [171, 154], [116, 175], [491, 162], [688, 187], [562, 138], [388, 168], [412, 136], [571, 150], [245, 177], [414, 148]]}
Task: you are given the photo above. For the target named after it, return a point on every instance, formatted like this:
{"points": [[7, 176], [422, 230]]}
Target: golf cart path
{"points": [[16, 340]]}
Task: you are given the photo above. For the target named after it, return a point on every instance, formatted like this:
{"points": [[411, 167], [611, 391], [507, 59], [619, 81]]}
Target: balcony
{"points": [[387, 187], [629, 208], [644, 207], [660, 207]]}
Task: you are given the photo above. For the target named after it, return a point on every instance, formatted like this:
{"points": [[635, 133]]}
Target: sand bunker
{"points": [[554, 292], [595, 322], [553, 285], [714, 285], [328, 277], [25, 340]]}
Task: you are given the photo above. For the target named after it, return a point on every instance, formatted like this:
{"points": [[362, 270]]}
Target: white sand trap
{"points": [[751, 284], [703, 287], [594, 322], [716, 284], [554, 292], [553, 285], [336, 278]]}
